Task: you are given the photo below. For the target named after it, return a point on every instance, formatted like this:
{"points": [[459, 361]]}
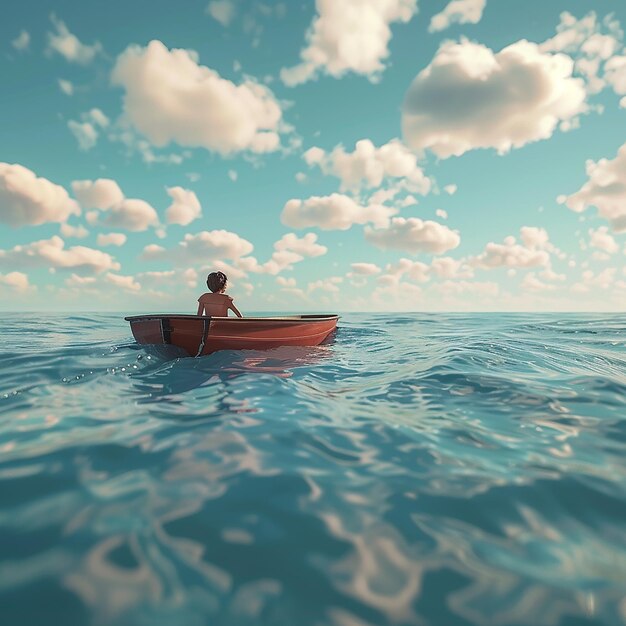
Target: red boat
{"points": [[200, 335]]}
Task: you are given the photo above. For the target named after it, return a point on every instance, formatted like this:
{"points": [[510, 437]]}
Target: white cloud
{"points": [[79, 282], [513, 255], [605, 189], [222, 11], [51, 253], [188, 277], [105, 195], [602, 240], [334, 212], [111, 239], [169, 97], [530, 282], [458, 12], [66, 87], [185, 207], [288, 250], [534, 237], [232, 174], [131, 214], [22, 41], [202, 247], [369, 166], [415, 236], [306, 246], [127, 283], [290, 283], [441, 214], [86, 132], [365, 269], [591, 42], [471, 97], [325, 284], [415, 270], [349, 36], [80, 232], [15, 280], [615, 75], [26, 199], [101, 194], [450, 189], [69, 46], [447, 267]]}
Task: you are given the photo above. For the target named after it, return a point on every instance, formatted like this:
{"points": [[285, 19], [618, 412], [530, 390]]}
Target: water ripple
{"points": [[417, 469]]}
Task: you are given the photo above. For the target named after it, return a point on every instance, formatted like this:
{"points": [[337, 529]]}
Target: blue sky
{"points": [[346, 155]]}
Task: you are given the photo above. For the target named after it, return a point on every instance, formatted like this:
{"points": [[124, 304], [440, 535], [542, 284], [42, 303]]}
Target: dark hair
{"points": [[216, 281]]}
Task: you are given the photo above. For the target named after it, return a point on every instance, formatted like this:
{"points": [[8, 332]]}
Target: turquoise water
{"points": [[445, 470]]}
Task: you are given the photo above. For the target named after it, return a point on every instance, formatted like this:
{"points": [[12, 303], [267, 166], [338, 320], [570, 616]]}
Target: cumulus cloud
{"points": [[365, 269], [348, 36], [222, 11], [101, 194], [450, 189], [458, 12], [471, 97], [52, 253], [306, 246], [615, 75], [22, 41], [86, 131], [334, 212], [591, 42], [185, 207], [105, 195], [201, 248], [26, 199], [79, 232], [288, 250], [531, 253], [441, 214], [415, 236], [132, 214], [605, 190], [111, 239], [369, 166], [15, 280], [169, 97], [603, 240], [69, 46], [187, 277], [128, 283]]}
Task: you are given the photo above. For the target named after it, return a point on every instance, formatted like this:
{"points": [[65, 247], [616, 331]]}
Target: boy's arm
{"points": [[200, 308], [233, 308]]}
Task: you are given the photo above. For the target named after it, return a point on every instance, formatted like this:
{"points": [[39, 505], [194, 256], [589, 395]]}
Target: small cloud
{"points": [[66, 87], [69, 46], [22, 41], [232, 174], [222, 11]]}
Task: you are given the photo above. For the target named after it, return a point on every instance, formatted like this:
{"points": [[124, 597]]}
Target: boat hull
{"points": [[201, 335]]}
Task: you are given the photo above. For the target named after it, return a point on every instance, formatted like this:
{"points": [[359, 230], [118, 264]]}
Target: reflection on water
{"points": [[418, 469]]}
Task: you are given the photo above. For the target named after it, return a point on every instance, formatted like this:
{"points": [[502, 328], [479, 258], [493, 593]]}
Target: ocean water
{"points": [[445, 470]]}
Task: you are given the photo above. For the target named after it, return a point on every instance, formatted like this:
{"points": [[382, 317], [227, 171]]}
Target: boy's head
{"points": [[216, 281]]}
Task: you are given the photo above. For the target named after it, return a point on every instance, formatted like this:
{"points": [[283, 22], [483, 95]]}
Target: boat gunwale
{"points": [[290, 318]]}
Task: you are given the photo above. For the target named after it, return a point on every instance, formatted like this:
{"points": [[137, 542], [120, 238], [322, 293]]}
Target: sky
{"points": [[329, 155]]}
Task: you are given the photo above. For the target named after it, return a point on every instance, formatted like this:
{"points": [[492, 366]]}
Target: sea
{"points": [[416, 469]]}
